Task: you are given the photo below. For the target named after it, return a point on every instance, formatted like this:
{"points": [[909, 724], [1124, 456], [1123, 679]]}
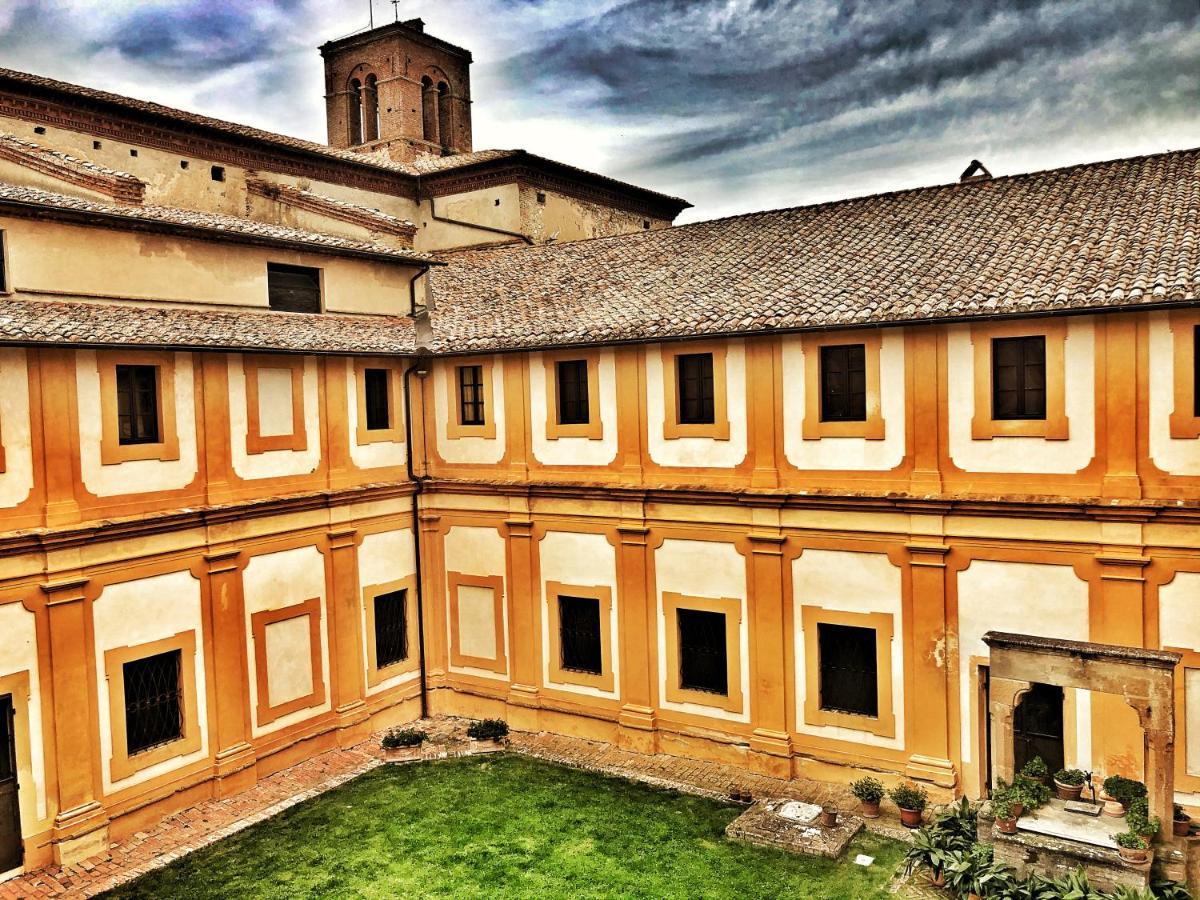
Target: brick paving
{"points": [[211, 821]]}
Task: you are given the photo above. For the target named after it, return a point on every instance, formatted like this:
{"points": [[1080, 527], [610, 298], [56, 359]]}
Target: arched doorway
{"points": [[1038, 727]]}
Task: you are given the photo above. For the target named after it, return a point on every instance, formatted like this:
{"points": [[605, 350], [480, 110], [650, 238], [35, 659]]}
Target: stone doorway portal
{"points": [[10, 811], [1038, 727]]}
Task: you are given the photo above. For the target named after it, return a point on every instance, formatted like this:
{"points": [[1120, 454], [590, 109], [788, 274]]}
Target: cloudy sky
{"points": [[734, 104]]}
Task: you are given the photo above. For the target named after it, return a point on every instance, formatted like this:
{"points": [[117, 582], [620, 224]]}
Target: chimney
{"points": [[976, 171]]}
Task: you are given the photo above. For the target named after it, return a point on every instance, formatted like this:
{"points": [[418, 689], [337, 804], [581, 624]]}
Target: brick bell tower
{"points": [[396, 88]]}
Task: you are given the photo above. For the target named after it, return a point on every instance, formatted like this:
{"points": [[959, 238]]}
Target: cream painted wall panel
{"points": [[289, 660], [138, 612], [1046, 601], [18, 653], [846, 452], [142, 475], [273, 581], [375, 455], [1025, 454], [384, 557], [468, 449], [588, 560], [695, 452], [857, 583], [477, 621], [573, 451], [709, 569], [1192, 703], [1179, 613], [273, 463], [473, 550], [1174, 455], [16, 481]]}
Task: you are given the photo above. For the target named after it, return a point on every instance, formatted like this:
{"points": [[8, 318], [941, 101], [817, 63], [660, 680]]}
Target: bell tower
{"points": [[396, 88]]}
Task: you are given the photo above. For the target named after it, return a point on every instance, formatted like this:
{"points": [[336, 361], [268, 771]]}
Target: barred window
{"points": [[844, 383], [1019, 378], [703, 656], [573, 392], [579, 626], [153, 701], [391, 628], [137, 404], [293, 288], [470, 395], [694, 373], [849, 676], [378, 399]]}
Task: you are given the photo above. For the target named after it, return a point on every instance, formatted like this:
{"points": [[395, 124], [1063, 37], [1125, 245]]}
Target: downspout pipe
{"points": [[423, 195]]}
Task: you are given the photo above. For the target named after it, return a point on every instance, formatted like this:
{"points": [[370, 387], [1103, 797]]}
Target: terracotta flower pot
{"points": [[1007, 826], [829, 818], [1137, 857], [1112, 807], [937, 877], [910, 818], [1017, 809], [402, 754], [1181, 827], [870, 809], [1067, 791]]}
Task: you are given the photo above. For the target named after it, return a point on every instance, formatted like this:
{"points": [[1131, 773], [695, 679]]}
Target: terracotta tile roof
{"points": [[16, 199], [120, 186], [1115, 234], [363, 216], [428, 164], [137, 324]]}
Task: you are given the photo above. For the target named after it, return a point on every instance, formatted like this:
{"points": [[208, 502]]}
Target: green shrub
{"points": [[959, 821], [868, 790], [1031, 792], [1002, 807], [488, 730], [930, 850], [403, 737], [1122, 789], [1070, 776], [1130, 840], [1139, 819], [909, 796], [1035, 768]]}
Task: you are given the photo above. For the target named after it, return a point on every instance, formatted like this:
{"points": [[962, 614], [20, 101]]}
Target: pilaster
{"points": [[770, 743], [226, 625], [523, 626], [347, 677], [636, 617], [928, 736]]}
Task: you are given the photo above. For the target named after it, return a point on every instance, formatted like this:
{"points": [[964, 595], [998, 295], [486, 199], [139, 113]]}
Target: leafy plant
{"points": [[868, 790], [488, 730], [1139, 819], [930, 850], [1035, 768], [1123, 790], [909, 796], [1031, 792], [1130, 840], [1179, 815], [959, 821], [1002, 808], [1170, 890], [1070, 776], [403, 737]]}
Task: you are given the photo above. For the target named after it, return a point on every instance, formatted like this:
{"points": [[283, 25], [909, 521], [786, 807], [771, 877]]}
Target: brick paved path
{"points": [[208, 822]]}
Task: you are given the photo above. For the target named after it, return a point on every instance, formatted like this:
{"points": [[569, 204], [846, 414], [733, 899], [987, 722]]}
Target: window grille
{"points": [[470, 395], [153, 701], [694, 373], [849, 676], [137, 404], [844, 383], [391, 628], [573, 392], [1019, 378], [579, 637], [703, 656]]}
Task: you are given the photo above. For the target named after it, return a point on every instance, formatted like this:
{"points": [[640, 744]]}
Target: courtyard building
{"points": [[300, 441]]}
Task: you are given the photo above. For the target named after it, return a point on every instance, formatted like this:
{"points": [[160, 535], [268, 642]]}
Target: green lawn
{"points": [[507, 826]]}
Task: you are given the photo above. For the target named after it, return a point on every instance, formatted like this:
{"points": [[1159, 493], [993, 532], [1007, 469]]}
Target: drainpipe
{"points": [[422, 195]]}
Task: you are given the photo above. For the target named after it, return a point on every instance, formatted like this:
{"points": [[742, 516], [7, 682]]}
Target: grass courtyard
{"points": [[507, 826]]}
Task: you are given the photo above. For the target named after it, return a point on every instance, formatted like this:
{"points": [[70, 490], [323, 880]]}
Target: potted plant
{"points": [[1032, 793], [869, 792], [912, 801], [1006, 815], [829, 816], [1036, 769], [930, 853], [1132, 847], [1013, 794], [402, 744], [487, 735], [1118, 793], [1181, 822], [1139, 819], [1068, 783]]}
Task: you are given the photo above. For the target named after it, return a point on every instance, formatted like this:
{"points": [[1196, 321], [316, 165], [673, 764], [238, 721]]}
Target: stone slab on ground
{"points": [[772, 823]]}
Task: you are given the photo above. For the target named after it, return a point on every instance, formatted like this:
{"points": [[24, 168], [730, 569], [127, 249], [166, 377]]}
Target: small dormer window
{"points": [[293, 288]]}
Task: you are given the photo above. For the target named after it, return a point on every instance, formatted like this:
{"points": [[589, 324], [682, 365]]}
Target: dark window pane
{"points": [[1019, 377], [844, 383], [137, 404], [573, 392], [703, 663], [579, 626], [1196, 371], [3, 260], [8, 765], [377, 400], [293, 288], [470, 395], [694, 373], [153, 702], [391, 628], [849, 680]]}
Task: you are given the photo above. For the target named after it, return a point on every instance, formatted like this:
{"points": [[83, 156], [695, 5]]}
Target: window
{"points": [[133, 153], [443, 105], [573, 406], [183, 164], [703, 664], [1195, 348], [96, 145], [470, 395], [844, 383], [695, 379], [137, 405], [1019, 377], [217, 173], [4, 288], [579, 634], [378, 399], [391, 628], [153, 701], [849, 676], [429, 110], [40, 129], [293, 288]]}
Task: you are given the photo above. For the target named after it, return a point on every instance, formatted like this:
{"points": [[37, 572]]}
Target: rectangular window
{"points": [[376, 385], [694, 374], [4, 288], [153, 701], [137, 405], [1019, 377], [391, 628], [573, 392], [470, 395], [703, 659], [1195, 369], [844, 383], [579, 634], [849, 676], [293, 288]]}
